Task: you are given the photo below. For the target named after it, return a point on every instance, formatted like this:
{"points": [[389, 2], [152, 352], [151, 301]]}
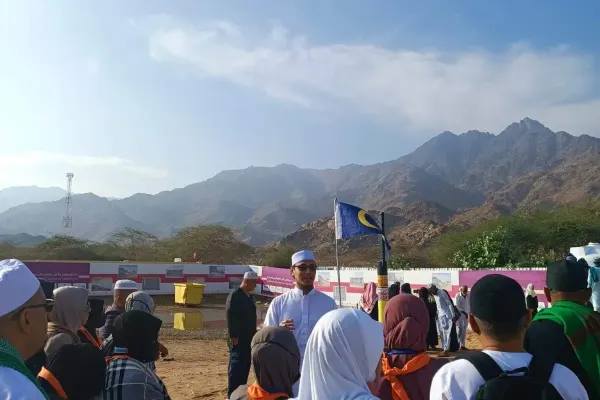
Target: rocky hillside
{"points": [[450, 181]]}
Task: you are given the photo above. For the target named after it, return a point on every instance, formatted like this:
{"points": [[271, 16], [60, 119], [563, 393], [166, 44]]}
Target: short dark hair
{"points": [[502, 332]]}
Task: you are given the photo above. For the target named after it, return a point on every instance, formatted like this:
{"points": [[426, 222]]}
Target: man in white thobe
{"points": [[299, 309], [444, 319], [23, 324], [462, 303]]}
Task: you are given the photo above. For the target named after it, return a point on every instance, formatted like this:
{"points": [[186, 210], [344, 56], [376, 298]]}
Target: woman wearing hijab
{"points": [[75, 372], [128, 376], [342, 354], [405, 288], [71, 311], [531, 300], [88, 333], [432, 335], [368, 300], [407, 369], [140, 301], [276, 362], [394, 290]]}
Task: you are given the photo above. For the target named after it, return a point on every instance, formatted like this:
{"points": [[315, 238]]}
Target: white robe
{"points": [[15, 386], [462, 303], [445, 314], [341, 356]]}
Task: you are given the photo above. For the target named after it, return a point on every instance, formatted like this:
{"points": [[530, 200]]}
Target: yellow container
{"points": [[189, 294], [187, 321]]}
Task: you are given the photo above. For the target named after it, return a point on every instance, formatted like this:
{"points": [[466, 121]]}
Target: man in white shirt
{"points": [[299, 309], [462, 303], [499, 318], [23, 325], [444, 319]]}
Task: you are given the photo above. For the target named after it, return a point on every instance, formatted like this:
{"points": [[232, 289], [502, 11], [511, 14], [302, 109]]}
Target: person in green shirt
{"points": [[568, 333]]}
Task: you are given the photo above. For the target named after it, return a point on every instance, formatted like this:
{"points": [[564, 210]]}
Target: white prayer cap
{"points": [[251, 275], [125, 284], [17, 285], [303, 255]]}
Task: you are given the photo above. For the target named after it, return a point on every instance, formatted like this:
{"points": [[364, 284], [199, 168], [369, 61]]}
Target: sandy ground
{"points": [[199, 366]]}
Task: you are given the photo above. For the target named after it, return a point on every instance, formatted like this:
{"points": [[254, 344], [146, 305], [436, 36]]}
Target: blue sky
{"points": [[145, 96]]}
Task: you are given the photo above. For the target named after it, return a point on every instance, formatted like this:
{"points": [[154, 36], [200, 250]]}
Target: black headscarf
{"points": [[276, 359], [80, 369], [97, 318], [393, 290], [137, 331], [48, 288]]}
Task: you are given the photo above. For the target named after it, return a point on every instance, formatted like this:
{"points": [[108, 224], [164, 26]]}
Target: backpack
{"points": [[499, 384]]}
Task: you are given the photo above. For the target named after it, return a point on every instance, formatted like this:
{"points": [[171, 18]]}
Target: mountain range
{"points": [[452, 180]]}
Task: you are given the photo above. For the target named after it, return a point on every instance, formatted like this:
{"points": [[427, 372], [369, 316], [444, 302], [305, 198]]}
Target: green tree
{"points": [[398, 263], [136, 244]]}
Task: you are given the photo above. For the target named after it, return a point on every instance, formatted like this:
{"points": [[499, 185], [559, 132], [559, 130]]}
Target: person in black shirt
{"points": [[545, 338], [241, 326]]}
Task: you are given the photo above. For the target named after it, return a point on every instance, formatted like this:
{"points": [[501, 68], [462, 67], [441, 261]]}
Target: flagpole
{"points": [[382, 273], [337, 258]]}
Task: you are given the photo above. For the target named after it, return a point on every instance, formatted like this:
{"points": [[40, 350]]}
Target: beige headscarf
{"points": [[69, 303]]}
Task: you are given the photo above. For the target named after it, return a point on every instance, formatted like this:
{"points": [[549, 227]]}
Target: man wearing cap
{"points": [[568, 332], [241, 326], [123, 288], [299, 309], [23, 324], [499, 318]]}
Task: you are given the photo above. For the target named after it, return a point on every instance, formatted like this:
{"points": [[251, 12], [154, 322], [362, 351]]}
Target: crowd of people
{"points": [[60, 344]]}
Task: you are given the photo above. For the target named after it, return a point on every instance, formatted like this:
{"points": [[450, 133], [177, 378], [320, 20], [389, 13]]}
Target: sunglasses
{"points": [[48, 307], [304, 267]]}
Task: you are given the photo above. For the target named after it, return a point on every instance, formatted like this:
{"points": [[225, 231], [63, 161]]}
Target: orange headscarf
{"points": [[255, 392]]}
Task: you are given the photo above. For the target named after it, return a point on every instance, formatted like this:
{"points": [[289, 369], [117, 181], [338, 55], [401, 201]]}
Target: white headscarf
{"points": [[341, 356], [140, 301], [529, 291]]}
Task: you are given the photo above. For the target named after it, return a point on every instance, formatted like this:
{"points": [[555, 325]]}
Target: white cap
{"points": [[251, 275], [303, 255], [125, 284], [17, 285]]}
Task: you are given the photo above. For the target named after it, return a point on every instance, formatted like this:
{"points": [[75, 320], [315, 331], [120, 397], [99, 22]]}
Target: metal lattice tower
{"points": [[67, 222]]}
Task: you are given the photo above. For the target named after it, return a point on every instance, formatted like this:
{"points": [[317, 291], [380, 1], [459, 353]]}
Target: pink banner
{"points": [[537, 278], [60, 272], [276, 281]]}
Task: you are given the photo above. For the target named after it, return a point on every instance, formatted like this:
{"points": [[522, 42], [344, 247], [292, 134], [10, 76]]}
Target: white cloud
{"points": [[424, 90], [39, 158]]}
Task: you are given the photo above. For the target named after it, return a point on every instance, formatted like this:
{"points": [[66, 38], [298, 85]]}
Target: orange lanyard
{"points": [[51, 379], [89, 337]]}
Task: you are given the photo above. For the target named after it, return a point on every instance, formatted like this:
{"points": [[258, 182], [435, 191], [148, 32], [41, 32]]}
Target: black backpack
{"points": [[532, 385]]}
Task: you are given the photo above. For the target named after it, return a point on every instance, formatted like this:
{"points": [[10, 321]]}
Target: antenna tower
{"points": [[67, 222]]}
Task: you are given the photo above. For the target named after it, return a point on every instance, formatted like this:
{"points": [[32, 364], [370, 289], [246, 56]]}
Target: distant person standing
{"points": [[368, 300], [531, 300], [300, 309], [405, 288], [445, 317], [462, 304], [123, 288], [241, 326]]}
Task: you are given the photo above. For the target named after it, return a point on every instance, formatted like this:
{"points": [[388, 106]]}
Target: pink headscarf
{"points": [[369, 297]]}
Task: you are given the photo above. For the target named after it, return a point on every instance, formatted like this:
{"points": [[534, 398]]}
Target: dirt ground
{"points": [[199, 366]]}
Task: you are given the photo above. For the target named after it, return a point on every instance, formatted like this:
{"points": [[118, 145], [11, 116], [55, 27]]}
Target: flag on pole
{"points": [[352, 221]]}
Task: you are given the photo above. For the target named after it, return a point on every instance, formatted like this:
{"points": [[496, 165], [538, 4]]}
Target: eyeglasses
{"points": [[304, 267], [48, 307]]}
